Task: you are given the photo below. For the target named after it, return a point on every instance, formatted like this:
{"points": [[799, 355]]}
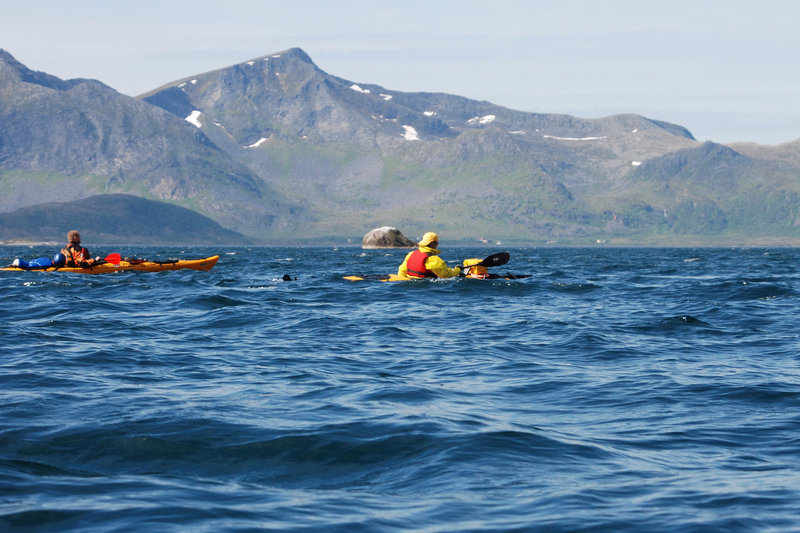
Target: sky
{"points": [[725, 69]]}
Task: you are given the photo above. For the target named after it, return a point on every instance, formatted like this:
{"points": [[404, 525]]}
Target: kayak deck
{"points": [[378, 277], [140, 265]]}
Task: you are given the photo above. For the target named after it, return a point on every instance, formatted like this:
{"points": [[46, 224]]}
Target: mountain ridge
{"points": [[285, 151]]}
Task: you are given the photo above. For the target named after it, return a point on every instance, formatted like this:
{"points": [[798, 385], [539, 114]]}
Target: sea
{"points": [[614, 390]]}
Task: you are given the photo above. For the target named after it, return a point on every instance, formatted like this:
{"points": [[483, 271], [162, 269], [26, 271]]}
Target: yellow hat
{"points": [[428, 238]]}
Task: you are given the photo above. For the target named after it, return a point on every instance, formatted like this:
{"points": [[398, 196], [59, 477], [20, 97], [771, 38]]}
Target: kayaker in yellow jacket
{"points": [[425, 262]]}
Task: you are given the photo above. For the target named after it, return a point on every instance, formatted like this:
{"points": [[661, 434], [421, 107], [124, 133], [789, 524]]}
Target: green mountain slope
{"points": [[115, 218]]}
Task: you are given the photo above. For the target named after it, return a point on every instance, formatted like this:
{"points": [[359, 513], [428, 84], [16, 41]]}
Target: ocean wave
{"points": [[619, 390]]}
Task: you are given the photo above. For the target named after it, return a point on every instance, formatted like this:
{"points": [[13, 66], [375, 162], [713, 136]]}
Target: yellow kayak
{"points": [[379, 277], [141, 265], [395, 277], [493, 260]]}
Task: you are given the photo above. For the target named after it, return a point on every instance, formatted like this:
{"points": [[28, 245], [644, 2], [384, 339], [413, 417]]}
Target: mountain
{"points": [[363, 155], [279, 150], [720, 191], [67, 140], [115, 219]]}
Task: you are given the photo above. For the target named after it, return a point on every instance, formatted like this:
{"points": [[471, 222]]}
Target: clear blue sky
{"points": [[725, 69]]}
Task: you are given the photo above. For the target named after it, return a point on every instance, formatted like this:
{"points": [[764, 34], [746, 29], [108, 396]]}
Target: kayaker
{"points": [[75, 254], [473, 269], [424, 262]]}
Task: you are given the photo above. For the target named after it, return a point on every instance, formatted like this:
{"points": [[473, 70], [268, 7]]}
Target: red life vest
{"points": [[75, 254], [415, 266]]}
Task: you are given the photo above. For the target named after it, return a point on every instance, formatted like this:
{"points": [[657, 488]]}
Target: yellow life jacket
{"points": [[473, 270]]}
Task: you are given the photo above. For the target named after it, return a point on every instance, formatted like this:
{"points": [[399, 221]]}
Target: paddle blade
{"points": [[496, 260], [114, 259]]}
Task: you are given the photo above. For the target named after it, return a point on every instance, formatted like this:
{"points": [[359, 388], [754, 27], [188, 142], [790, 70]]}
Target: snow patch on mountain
{"points": [[194, 118], [410, 133], [487, 119], [575, 138], [258, 143]]}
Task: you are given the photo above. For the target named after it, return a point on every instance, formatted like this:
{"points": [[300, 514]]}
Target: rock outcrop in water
{"points": [[386, 237]]}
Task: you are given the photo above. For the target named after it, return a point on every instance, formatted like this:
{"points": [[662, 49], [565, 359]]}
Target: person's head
{"points": [[430, 239], [74, 236], [59, 260]]}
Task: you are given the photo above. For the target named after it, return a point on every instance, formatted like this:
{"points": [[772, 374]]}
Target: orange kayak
{"points": [[141, 265]]}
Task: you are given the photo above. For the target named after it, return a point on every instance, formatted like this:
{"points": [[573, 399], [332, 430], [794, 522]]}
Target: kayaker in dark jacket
{"points": [[425, 262], [76, 255]]}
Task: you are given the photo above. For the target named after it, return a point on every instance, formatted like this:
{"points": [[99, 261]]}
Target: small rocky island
{"points": [[386, 237]]}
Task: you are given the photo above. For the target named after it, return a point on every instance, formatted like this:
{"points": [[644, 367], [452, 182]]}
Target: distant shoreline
{"points": [[28, 243], [789, 243]]}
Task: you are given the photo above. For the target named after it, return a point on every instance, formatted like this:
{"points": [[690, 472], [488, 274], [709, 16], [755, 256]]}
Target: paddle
{"points": [[114, 259], [495, 260]]}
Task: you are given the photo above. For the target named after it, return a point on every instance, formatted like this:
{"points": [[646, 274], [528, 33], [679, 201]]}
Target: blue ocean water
{"points": [[613, 390]]}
